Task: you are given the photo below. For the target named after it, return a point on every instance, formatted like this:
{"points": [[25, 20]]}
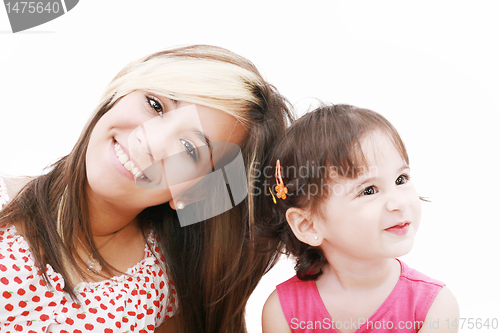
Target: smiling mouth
{"points": [[127, 163], [399, 229]]}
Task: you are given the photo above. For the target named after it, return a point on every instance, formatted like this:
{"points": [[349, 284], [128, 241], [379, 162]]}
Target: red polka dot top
{"points": [[137, 301]]}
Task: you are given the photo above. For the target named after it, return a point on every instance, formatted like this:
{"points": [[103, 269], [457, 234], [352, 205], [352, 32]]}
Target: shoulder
{"points": [[419, 289], [418, 277], [10, 186], [273, 319], [290, 286], [4, 195], [443, 310]]}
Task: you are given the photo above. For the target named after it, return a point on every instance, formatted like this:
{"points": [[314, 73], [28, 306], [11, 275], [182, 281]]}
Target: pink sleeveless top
{"points": [[404, 310]]}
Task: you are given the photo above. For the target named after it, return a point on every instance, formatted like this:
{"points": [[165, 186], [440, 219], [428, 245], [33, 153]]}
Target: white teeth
{"points": [[127, 164], [123, 159]]}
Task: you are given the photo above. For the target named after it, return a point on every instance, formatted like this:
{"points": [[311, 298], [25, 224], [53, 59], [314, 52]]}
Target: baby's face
{"points": [[377, 214]]}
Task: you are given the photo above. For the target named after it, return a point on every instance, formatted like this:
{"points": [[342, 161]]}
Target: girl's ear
{"points": [[303, 226]]}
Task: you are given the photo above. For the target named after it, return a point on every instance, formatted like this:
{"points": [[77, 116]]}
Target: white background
{"points": [[431, 67]]}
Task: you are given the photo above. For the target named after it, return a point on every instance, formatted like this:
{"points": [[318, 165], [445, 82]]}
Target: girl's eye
{"points": [[370, 190], [155, 105], [402, 179], [190, 149]]}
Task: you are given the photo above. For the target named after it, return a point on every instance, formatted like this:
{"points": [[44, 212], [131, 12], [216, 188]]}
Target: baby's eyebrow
{"points": [[405, 166], [367, 180]]}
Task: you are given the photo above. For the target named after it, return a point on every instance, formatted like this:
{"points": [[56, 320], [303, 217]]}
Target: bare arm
{"points": [[273, 319], [442, 314]]}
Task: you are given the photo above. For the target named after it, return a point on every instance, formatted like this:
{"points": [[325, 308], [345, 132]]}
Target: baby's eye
{"points": [[370, 190], [155, 105], [402, 179], [190, 149]]}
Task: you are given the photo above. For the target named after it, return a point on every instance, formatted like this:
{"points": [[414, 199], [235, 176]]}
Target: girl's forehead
{"points": [[375, 150], [377, 146], [220, 125]]}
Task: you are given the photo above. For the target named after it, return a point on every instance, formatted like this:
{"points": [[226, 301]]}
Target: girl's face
{"points": [[141, 129], [377, 214]]}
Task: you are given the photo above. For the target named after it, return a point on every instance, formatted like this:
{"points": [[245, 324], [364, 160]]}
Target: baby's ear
{"points": [[303, 226]]}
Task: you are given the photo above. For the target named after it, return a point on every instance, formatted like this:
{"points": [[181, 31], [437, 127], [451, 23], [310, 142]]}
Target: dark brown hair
{"points": [[326, 139], [213, 264]]}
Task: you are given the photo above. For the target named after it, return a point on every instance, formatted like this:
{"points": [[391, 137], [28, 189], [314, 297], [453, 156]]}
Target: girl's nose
{"points": [[153, 135], [396, 201], [143, 146], [156, 138]]}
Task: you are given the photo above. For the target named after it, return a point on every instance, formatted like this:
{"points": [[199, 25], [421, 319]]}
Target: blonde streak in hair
{"points": [[168, 74], [218, 85], [111, 88], [60, 230], [60, 209], [251, 205]]}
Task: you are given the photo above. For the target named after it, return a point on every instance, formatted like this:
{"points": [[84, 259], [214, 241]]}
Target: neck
{"points": [[359, 275], [106, 218]]}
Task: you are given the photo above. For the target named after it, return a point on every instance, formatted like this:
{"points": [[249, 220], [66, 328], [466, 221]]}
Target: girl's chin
{"points": [[402, 249]]}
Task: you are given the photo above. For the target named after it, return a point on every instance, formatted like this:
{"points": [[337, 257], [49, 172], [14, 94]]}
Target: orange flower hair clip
{"points": [[280, 188]]}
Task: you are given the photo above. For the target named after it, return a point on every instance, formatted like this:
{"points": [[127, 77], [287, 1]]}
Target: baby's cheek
{"points": [[417, 209]]}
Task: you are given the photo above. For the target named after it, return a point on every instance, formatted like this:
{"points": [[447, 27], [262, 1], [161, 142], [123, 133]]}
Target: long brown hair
{"points": [[213, 264], [320, 145]]}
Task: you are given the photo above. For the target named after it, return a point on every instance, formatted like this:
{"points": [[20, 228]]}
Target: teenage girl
{"points": [[84, 248], [341, 201]]}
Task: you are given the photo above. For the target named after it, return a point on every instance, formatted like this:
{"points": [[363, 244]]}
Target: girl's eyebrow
{"points": [[205, 139]]}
